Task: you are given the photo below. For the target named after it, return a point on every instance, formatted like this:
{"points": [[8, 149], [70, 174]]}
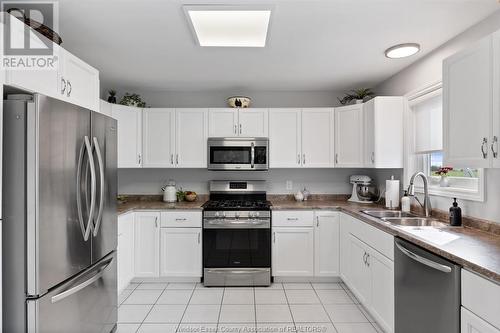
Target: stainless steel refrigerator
{"points": [[59, 223]]}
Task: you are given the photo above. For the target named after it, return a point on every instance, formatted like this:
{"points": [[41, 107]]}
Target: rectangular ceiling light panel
{"points": [[230, 27]]}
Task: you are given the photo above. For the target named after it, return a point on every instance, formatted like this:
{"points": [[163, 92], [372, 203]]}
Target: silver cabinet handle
{"points": [[364, 258], [235, 129], [63, 86], [139, 159], [181, 219], [177, 159], [240, 129], [86, 283], [483, 150], [199, 238], [292, 218], [252, 155], [70, 89], [171, 158], [101, 185], [156, 221], [373, 157], [317, 221], [336, 158], [424, 261], [304, 159], [298, 158], [274, 237], [493, 145], [368, 259]]}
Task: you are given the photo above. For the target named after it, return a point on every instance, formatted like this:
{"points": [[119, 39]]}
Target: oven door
{"points": [[237, 256], [237, 154]]}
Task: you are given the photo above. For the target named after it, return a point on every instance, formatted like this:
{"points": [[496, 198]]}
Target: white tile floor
{"points": [[281, 308]]}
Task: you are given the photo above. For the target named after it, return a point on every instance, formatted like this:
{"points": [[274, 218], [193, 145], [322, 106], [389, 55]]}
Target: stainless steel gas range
{"points": [[237, 235]]}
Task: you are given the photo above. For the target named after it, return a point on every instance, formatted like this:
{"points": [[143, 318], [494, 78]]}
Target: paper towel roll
{"points": [[392, 193]]}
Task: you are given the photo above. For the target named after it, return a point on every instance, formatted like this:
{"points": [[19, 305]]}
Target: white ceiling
{"points": [[312, 44]]}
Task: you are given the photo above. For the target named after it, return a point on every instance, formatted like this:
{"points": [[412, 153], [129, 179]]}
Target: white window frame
{"points": [[420, 162]]}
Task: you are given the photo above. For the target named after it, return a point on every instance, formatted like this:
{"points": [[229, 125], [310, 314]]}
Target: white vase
{"points": [[359, 101], [444, 181]]}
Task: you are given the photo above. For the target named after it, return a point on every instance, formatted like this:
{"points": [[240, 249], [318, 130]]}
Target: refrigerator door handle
{"points": [[73, 290], [101, 187], [424, 261], [85, 228]]}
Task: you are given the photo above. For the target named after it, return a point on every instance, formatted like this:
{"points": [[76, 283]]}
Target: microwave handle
{"points": [[252, 155]]}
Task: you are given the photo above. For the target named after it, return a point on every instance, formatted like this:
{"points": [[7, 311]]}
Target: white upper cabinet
{"points": [[253, 122], [191, 138], [158, 138], [495, 135], [223, 122], [129, 122], [231, 122], [467, 106], [326, 243], [317, 138], [383, 132], [79, 82], [349, 136], [285, 133]]}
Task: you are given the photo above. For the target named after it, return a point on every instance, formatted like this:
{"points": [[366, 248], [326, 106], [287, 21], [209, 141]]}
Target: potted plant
{"points": [[112, 96], [133, 100], [443, 173], [357, 95]]}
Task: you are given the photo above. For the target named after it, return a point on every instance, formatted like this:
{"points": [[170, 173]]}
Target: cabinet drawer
{"points": [[293, 218], [378, 239], [180, 219], [481, 296]]}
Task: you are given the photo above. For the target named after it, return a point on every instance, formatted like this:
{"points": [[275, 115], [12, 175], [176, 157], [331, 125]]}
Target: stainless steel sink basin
{"points": [[388, 213], [414, 222]]}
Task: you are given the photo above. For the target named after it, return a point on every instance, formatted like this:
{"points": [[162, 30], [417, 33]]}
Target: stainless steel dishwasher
{"points": [[427, 291]]}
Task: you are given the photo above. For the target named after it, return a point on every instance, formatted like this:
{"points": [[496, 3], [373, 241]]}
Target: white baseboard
{"points": [[173, 279], [292, 279]]}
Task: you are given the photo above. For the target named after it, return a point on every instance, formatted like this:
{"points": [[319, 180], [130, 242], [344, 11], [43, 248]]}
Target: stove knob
{"points": [[256, 214], [223, 215], [237, 215], [217, 214], [251, 214]]}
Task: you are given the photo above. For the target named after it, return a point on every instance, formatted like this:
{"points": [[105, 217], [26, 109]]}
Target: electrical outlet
{"points": [[289, 185]]}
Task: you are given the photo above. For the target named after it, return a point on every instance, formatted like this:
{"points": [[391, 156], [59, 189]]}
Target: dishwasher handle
{"points": [[424, 261]]}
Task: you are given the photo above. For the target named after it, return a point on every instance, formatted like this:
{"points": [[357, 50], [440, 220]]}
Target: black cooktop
{"points": [[237, 205]]}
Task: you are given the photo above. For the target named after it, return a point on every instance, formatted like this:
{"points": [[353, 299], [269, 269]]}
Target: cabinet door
{"points": [[349, 136], [470, 323], [129, 122], [158, 138], [125, 249], [345, 257], [223, 122], [495, 135], [180, 252], [253, 122], [326, 244], [317, 138], [293, 251], [285, 138], [146, 244], [382, 288], [191, 132], [467, 99], [359, 272], [82, 82]]}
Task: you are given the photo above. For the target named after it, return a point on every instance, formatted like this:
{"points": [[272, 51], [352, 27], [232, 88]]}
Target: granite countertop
{"points": [[473, 249]]}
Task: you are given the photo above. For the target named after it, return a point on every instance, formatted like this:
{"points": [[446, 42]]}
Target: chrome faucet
{"points": [[411, 192]]}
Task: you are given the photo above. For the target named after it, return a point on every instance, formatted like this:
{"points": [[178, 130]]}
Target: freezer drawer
{"points": [[86, 303], [427, 291]]}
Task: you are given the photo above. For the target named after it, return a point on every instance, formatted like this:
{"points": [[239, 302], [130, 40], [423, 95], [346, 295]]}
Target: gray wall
{"points": [[334, 181], [429, 70]]}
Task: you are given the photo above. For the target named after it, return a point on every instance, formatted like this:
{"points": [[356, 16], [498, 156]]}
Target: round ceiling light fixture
{"points": [[402, 50]]}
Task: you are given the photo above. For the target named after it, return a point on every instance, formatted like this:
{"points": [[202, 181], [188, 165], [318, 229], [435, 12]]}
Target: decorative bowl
{"points": [[239, 101], [190, 197]]}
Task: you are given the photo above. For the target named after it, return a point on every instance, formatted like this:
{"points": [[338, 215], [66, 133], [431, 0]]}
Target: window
{"points": [[426, 154]]}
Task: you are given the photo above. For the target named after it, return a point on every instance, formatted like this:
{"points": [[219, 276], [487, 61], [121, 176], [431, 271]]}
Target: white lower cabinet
{"points": [[470, 323], [366, 271], [292, 251], [125, 250], [326, 243], [147, 244], [180, 252]]}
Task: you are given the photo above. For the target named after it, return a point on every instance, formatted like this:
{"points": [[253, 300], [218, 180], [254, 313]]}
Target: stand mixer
{"points": [[362, 189]]}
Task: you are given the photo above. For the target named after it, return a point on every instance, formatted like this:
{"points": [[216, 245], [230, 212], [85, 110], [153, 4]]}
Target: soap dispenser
{"points": [[455, 214]]}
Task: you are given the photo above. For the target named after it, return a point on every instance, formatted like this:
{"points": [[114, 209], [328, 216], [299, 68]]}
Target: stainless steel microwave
{"points": [[238, 153]]}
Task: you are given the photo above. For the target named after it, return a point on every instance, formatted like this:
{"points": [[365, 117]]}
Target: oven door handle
{"points": [[246, 271], [236, 223], [252, 155]]}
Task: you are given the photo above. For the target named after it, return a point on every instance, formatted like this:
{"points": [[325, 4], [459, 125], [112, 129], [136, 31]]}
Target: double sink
{"points": [[405, 219]]}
